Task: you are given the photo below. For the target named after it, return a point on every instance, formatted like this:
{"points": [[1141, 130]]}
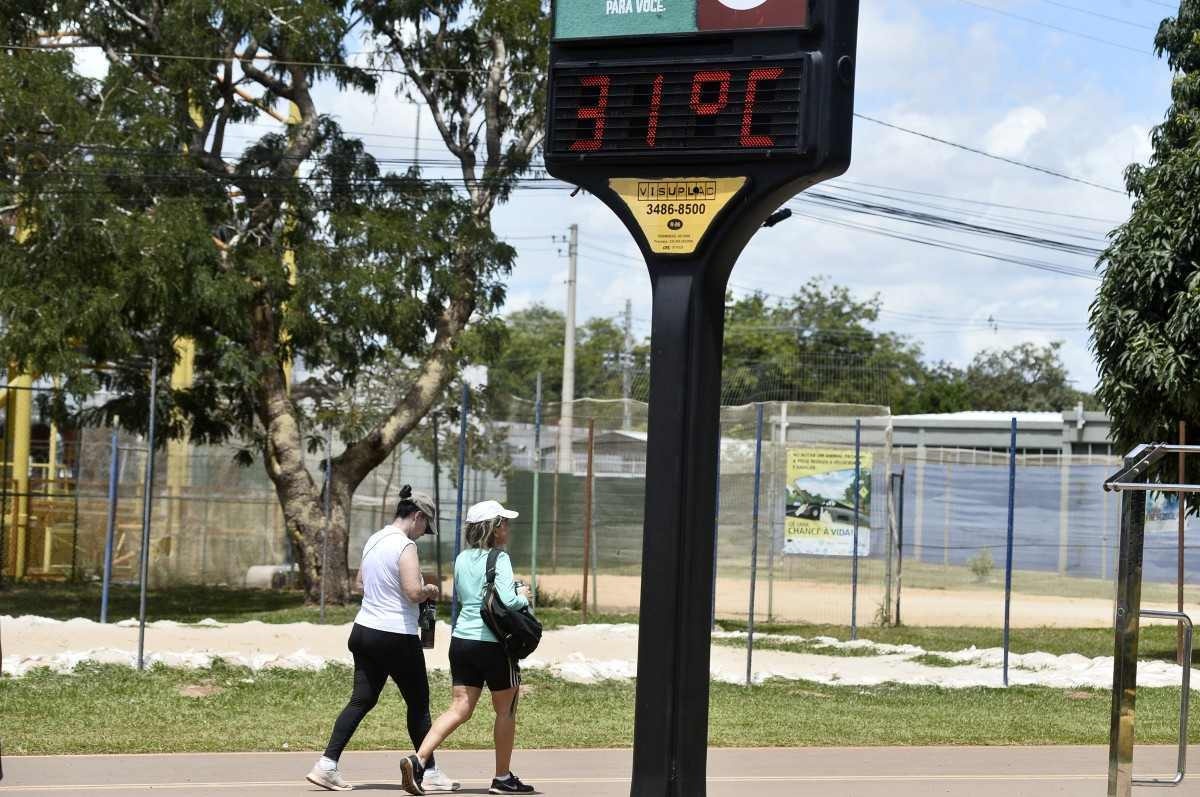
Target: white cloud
{"points": [[1012, 134]]}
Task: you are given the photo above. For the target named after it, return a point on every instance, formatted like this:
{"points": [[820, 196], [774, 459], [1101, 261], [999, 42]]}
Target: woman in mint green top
{"points": [[470, 580], [476, 656]]}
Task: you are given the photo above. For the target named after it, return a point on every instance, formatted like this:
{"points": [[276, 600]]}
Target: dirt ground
{"points": [[818, 602]]}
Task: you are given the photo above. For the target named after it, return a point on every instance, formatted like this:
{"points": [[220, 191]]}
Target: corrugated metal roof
{"points": [[977, 416]]}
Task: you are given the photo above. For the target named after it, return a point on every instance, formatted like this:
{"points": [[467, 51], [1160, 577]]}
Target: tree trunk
{"points": [[320, 557]]}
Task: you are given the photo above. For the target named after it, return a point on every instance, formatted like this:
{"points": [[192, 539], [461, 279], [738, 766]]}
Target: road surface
{"points": [[827, 772]]}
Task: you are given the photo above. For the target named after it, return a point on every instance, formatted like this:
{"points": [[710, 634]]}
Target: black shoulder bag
{"points": [[517, 629]]}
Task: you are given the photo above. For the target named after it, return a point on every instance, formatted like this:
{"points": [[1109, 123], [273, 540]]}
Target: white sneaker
{"points": [[436, 780], [327, 779]]}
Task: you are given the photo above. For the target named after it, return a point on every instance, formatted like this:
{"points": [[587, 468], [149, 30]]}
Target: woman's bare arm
{"points": [[411, 581]]}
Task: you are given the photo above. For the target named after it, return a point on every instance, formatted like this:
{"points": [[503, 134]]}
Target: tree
{"points": [[131, 224], [1145, 319], [532, 342], [1026, 377], [816, 345], [943, 388]]}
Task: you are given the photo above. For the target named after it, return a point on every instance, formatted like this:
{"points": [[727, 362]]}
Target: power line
{"points": [[388, 70], [1067, 31], [818, 198], [986, 154], [882, 211], [1024, 209], [1040, 211], [1014, 222], [214, 59], [822, 199], [1089, 12], [1054, 268], [1026, 323], [929, 324]]}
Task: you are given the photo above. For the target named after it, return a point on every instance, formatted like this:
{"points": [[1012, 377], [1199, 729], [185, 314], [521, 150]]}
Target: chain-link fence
{"points": [[211, 519], [616, 459], [932, 523]]}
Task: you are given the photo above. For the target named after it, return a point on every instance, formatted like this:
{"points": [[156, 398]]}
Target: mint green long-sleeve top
{"points": [[470, 578]]}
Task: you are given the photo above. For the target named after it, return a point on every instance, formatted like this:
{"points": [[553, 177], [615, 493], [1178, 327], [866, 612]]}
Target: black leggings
{"points": [[378, 654]]}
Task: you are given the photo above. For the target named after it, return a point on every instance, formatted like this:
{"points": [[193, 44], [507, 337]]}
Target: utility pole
{"points": [[566, 463], [627, 365], [417, 139]]}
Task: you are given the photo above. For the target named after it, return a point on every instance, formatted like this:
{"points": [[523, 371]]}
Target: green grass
{"points": [[190, 604], [1157, 641], [934, 660], [790, 646], [105, 708]]}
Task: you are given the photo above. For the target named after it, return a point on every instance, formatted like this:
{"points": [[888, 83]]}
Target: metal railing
{"points": [[1184, 700], [1132, 481]]}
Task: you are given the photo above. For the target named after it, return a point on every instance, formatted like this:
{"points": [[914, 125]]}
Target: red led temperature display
{"points": [[751, 107]]}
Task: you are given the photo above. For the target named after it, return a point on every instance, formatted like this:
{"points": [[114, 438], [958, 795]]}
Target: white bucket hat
{"points": [[489, 510]]}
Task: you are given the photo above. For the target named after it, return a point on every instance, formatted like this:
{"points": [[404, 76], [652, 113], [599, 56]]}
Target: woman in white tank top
{"points": [[385, 639]]}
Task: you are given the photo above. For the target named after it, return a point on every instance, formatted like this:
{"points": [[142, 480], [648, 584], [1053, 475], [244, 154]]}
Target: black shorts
{"points": [[474, 663]]}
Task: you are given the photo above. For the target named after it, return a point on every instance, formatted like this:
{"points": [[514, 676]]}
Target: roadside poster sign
{"points": [[820, 502]]}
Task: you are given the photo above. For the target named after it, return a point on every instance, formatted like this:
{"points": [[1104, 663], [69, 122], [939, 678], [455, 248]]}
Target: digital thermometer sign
{"points": [[645, 111]]}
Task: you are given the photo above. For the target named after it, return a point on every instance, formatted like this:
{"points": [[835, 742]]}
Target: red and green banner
{"points": [[588, 19], [732, 14]]}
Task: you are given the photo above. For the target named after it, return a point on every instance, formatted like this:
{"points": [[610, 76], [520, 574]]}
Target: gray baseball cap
{"points": [[423, 502]]}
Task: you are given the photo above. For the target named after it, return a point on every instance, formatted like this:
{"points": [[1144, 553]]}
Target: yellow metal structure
{"points": [[289, 255], [17, 433], [51, 488], [179, 466]]}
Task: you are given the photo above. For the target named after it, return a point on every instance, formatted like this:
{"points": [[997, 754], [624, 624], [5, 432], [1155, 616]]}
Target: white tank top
{"points": [[385, 607]]}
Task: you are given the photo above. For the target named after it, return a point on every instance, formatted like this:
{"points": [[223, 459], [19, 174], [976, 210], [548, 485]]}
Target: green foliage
{"points": [[817, 345], [123, 239], [820, 346], [533, 342], [982, 564], [129, 221], [943, 388], [1026, 377], [1145, 320]]}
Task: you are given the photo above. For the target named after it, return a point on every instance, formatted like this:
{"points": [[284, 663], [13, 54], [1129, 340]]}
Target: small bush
{"points": [[982, 565], [555, 600]]}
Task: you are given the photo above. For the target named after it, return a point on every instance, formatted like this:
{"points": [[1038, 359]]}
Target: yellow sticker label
{"points": [[675, 213]]}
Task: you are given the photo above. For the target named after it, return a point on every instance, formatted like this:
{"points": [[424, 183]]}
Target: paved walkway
{"points": [[827, 772]]}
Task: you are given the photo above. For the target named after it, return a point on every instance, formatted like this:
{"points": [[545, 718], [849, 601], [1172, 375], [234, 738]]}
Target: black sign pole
{"points": [[687, 338], [671, 725], [694, 141]]}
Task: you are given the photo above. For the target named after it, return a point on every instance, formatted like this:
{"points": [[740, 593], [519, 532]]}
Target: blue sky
{"points": [[956, 69]]}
